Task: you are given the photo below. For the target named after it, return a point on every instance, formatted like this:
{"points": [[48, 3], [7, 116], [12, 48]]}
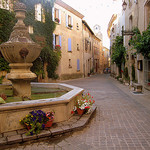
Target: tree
{"points": [[118, 52], [141, 42]]}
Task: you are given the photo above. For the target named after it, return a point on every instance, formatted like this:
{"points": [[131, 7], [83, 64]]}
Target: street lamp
{"points": [[124, 5]]}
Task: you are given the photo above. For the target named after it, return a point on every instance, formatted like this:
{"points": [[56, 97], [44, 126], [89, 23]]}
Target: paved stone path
{"points": [[121, 122]]}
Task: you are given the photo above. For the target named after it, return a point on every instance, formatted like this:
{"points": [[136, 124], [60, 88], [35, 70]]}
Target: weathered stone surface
{"points": [[57, 130], [3, 141], [22, 131], [28, 138], [10, 133], [14, 139], [1, 135], [44, 133]]}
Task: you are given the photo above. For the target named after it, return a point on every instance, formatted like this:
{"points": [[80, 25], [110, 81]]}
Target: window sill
{"points": [[70, 28], [57, 22], [69, 51], [70, 66], [78, 70]]}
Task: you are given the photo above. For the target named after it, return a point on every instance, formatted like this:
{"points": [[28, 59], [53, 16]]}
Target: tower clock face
{"points": [[97, 28]]}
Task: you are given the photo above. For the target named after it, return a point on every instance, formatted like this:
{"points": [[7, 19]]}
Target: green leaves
{"points": [[118, 51], [141, 42]]}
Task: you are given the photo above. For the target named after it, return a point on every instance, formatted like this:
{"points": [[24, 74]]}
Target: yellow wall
{"points": [[75, 34]]}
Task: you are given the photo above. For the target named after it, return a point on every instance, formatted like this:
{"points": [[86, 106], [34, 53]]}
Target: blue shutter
{"points": [[66, 20], [53, 41], [59, 16], [60, 40], [69, 44], [53, 14], [78, 64]]}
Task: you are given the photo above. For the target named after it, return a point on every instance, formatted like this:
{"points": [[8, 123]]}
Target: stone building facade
{"points": [[136, 14], [68, 35], [81, 49]]}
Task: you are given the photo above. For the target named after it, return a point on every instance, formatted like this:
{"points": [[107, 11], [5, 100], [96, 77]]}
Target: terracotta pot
{"points": [[80, 111], [49, 124]]}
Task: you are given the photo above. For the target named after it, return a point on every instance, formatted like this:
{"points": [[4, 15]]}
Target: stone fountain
{"points": [[20, 51]]}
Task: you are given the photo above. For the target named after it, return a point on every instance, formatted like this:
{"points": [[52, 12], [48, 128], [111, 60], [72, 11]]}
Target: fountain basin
{"points": [[11, 113]]}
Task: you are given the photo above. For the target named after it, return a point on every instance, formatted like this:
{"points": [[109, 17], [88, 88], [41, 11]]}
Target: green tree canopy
{"points": [[141, 42]]}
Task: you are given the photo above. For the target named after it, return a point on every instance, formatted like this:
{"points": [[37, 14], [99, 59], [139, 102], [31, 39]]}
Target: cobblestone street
{"points": [[121, 122]]}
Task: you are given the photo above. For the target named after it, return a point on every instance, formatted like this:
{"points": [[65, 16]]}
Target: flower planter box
{"points": [[49, 124], [80, 111]]}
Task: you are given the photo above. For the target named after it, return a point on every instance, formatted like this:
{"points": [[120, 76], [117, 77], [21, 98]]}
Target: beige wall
{"points": [[88, 50], [64, 70]]}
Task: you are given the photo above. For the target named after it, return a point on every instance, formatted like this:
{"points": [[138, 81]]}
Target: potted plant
{"points": [[57, 47], [57, 20], [84, 105], [35, 121], [69, 25], [50, 116]]}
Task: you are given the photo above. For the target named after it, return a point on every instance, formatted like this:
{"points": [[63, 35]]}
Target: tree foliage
{"points": [[141, 42], [41, 28], [7, 21], [118, 52]]}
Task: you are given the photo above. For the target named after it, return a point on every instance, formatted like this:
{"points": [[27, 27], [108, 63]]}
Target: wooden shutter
{"points": [[59, 13], [66, 20], [53, 41], [72, 22], [60, 40], [53, 16], [69, 44], [78, 64]]}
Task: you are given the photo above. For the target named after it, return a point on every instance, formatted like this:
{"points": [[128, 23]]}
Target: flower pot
{"points": [[80, 111], [49, 123]]}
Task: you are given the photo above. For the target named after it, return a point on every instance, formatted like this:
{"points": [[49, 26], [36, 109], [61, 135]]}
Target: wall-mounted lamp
{"points": [[124, 5]]}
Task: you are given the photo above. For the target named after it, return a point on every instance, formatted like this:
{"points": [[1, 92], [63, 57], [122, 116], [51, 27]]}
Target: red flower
{"points": [[87, 107], [72, 112]]}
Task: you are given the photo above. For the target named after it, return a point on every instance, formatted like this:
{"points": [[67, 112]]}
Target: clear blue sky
{"points": [[97, 12]]}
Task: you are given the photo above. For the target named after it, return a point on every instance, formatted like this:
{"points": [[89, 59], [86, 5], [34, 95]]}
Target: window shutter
{"points": [[66, 20], [72, 22], [60, 40], [53, 41], [78, 64], [69, 44], [53, 14], [59, 16]]}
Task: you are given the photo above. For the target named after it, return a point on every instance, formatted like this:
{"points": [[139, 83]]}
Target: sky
{"points": [[97, 12]]}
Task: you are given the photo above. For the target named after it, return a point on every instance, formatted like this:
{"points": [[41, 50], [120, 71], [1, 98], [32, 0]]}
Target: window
{"points": [[70, 66], [56, 15], [30, 29], [69, 45], [140, 65], [69, 21], [147, 14], [38, 12], [78, 47], [78, 65], [77, 26], [4, 4], [130, 22], [86, 44], [56, 41]]}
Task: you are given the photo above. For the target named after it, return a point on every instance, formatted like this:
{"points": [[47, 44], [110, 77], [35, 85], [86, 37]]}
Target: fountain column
{"points": [[20, 51]]}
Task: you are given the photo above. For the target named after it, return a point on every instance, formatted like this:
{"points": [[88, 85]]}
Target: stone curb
{"points": [[75, 123]]}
